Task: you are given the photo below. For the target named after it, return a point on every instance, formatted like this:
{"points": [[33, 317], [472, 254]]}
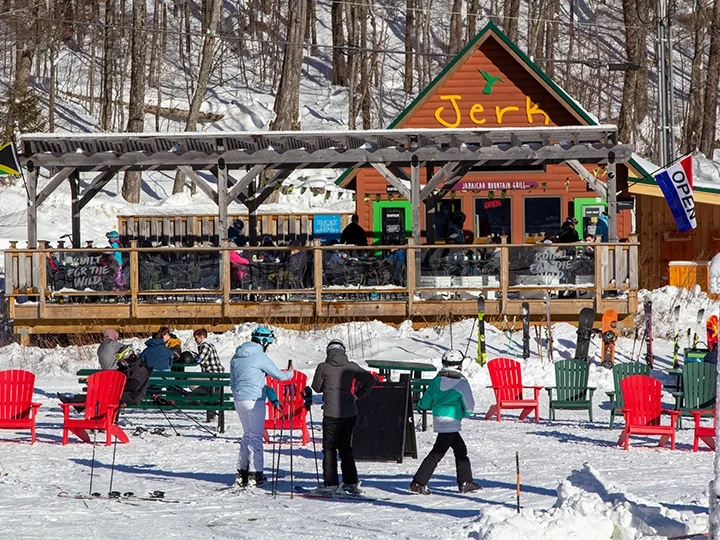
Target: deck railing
{"points": [[505, 273]]}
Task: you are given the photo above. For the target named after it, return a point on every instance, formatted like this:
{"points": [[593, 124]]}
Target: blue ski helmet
{"points": [[263, 336]]}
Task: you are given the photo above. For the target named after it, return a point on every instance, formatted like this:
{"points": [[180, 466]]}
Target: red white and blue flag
{"points": [[676, 183]]}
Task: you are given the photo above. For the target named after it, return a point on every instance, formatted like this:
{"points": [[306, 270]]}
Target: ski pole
{"points": [[472, 331], [312, 433], [92, 463], [282, 426], [112, 467], [172, 404], [517, 471], [451, 337], [157, 402], [291, 388]]}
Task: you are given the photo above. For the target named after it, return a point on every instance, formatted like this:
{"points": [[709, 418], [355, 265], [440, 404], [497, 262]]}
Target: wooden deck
{"points": [[38, 304]]}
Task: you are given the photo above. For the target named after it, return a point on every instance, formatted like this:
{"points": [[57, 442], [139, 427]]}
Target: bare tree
{"points": [[108, 68], [707, 139], [626, 118], [136, 106], [287, 101], [692, 130], [311, 27], [202, 80], [511, 15], [339, 66], [409, 32], [455, 39], [472, 13]]}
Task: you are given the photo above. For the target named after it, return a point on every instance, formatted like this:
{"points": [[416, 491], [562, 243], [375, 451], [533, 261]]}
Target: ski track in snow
{"points": [[644, 493]]}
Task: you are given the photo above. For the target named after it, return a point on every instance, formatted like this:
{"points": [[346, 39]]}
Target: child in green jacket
{"points": [[450, 398]]}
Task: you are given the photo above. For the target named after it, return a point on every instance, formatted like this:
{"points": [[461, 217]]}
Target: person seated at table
{"points": [[235, 232], [156, 353], [455, 233], [239, 266], [271, 255], [354, 234], [335, 269], [296, 266], [568, 234], [396, 261]]}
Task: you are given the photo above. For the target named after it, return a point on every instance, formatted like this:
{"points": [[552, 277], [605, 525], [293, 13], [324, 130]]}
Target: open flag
{"points": [[676, 183], [8, 159]]}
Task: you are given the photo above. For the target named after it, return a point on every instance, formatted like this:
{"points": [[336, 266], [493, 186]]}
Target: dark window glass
{"points": [[443, 212], [542, 215], [493, 217]]}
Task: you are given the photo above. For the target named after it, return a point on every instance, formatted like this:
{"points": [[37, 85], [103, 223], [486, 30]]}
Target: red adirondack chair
{"points": [[17, 409], [104, 390], [293, 415], [643, 409], [705, 434], [506, 378]]}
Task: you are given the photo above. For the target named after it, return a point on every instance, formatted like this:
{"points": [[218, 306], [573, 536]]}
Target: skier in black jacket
{"points": [[334, 379]]}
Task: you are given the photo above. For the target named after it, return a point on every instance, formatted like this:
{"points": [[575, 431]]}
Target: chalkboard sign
{"points": [[385, 430]]}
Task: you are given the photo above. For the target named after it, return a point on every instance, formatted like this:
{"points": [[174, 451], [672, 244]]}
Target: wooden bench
{"points": [[176, 387]]}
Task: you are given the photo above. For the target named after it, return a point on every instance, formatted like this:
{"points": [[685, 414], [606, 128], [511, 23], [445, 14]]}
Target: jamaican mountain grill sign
{"points": [[471, 185]]}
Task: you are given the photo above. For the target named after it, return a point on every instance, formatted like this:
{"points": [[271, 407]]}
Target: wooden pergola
{"points": [[248, 166]]}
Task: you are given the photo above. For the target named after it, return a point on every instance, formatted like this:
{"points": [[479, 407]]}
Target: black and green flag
{"points": [[8, 159]]}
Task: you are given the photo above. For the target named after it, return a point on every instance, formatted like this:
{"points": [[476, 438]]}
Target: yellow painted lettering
{"points": [[477, 108], [456, 108], [499, 113], [531, 110]]}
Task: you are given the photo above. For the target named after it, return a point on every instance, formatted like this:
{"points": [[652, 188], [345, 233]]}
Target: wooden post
{"points": [[411, 276], [504, 273], [415, 205], [222, 191], [42, 279], [75, 207], [317, 276], [225, 275], [612, 198], [134, 279], [32, 205], [600, 250]]}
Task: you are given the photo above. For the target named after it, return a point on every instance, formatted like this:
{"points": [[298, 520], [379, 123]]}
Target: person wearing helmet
{"points": [[248, 369], [455, 229], [450, 398], [334, 379], [568, 234]]}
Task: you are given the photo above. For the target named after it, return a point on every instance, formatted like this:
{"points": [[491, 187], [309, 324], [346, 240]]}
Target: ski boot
{"points": [[419, 488], [256, 479], [469, 487], [241, 478], [352, 489]]}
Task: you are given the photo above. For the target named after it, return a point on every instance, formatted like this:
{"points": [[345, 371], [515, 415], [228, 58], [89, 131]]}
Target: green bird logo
{"points": [[489, 81]]}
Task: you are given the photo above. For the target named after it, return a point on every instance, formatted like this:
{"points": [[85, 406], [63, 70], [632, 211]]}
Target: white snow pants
{"points": [[252, 418]]}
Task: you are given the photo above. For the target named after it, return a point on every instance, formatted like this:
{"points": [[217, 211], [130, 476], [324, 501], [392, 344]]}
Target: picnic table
{"points": [[386, 367], [418, 385]]}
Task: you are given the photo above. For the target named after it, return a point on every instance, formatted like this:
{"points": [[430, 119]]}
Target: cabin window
{"points": [[444, 210], [542, 215], [493, 217]]}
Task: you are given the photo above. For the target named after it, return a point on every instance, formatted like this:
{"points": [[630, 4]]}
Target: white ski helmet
{"points": [[453, 358]]}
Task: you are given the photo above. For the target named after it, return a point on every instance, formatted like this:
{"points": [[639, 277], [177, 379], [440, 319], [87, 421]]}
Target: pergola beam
{"points": [[249, 176], [596, 185], [53, 184], [200, 182], [99, 182], [384, 170]]}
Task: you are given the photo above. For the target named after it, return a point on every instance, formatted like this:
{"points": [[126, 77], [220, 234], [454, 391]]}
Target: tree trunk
{"points": [[202, 81], [339, 65], [154, 44], [108, 67], [511, 14], [409, 31], [707, 140], [455, 39], [640, 58], [625, 121], [136, 105], [310, 27], [694, 119], [472, 13], [287, 102]]}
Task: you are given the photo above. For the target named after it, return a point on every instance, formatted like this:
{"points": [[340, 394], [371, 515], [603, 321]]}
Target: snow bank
{"points": [[715, 274], [586, 509]]}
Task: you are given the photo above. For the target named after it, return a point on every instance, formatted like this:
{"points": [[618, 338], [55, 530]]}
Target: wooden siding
{"points": [[660, 242]]}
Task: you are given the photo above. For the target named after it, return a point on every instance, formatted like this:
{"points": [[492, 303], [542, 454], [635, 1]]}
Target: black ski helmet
{"points": [[335, 344]]}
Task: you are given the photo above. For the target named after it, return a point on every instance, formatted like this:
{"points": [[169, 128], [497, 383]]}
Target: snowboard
{"points": [[549, 328], [481, 353], [526, 330], [711, 328], [609, 336], [649, 356], [584, 333]]}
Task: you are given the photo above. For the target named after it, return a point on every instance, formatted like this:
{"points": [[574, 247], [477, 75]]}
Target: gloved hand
{"points": [[307, 395], [273, 399]]}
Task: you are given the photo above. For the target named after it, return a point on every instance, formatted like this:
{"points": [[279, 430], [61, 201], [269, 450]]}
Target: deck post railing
{"points": [[504, 273], [600, 256], [411, 268], [134, 278], [42, 278], [317, 276], [225, 279]]}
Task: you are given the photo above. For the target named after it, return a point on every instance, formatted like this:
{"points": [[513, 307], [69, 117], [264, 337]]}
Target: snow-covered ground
{"points": [[576, 484]]}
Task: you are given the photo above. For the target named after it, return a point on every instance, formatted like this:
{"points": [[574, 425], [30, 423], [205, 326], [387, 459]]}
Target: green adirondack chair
{"points": [[620, 371], [698, 391], [571, 387]]}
